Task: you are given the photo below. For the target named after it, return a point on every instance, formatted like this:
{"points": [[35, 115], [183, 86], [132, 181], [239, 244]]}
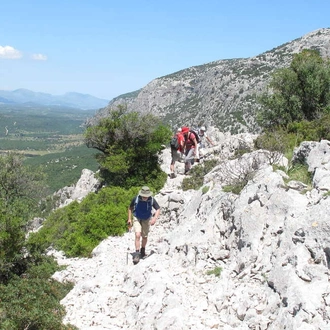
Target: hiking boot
{"points": [[172, 176], [136, 258], [143, 252]]}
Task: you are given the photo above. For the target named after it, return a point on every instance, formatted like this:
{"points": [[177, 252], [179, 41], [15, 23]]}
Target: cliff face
{"points": [[221, 93]]}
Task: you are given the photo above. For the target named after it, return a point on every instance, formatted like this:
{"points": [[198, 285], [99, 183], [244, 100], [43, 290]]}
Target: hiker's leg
{"points": [[201, 151], [172, 165], [172, 161], [172, 168], [137, 241], [145, 231], [189, 159], [144, 241], [186, 161], [137, 229], [175, 157]]}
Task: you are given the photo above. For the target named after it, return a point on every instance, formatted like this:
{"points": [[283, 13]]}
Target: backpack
{"points": [[137, 201], [174, 143], [198, 139]]}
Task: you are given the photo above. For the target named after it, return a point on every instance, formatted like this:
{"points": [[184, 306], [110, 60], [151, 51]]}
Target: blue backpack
{"points": [[145, 210]]}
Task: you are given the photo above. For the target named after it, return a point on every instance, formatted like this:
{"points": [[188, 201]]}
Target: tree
{"points": [[20, 191], [300, 92], [130, 144]]}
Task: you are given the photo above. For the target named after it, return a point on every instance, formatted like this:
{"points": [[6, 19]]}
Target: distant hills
{"points": [[73, 100]]}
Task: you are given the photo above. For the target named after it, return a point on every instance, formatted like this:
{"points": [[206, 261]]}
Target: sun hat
{"points": [[179, 129], [145, 192], [185, 129], [203, 128]]}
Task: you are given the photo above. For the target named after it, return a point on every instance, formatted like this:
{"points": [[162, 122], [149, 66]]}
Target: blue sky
{"points": [[106, 48]]}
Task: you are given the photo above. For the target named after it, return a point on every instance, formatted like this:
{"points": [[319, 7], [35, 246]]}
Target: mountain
{"points": [[221, 93], [72, 100]]}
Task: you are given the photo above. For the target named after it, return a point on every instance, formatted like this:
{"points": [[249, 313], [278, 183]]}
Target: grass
{"points": [[205, 189], [300, 173], [216, 271]]}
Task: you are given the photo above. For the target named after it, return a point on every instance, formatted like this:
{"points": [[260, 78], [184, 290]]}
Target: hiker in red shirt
{"points": [[191, 148], [176, 152]]}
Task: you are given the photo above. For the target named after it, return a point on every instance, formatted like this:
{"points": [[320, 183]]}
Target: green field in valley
{"points": [[50, 137]]}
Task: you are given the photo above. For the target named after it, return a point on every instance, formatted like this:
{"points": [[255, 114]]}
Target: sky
{"points": [[106, 48]]}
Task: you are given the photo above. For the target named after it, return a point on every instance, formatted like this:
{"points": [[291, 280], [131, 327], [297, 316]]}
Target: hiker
{"points": [[190, 149], [203, 137], [176, 151], [141, 217]]}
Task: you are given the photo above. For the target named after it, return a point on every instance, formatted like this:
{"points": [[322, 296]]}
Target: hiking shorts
{"points": [[141, 226], [176, 156]]}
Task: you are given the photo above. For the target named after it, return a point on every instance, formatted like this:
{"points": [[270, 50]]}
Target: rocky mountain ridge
{"points": [[221, 93], [257, 260]]}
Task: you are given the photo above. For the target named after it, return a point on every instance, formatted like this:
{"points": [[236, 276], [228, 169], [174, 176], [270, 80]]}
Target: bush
{"points": [[78, 228], [278, 142], [129, 144], [33, 300], [197, 173], [311, 130]]}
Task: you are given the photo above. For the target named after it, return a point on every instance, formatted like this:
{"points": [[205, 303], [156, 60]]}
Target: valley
{"points": [[48, 137]]}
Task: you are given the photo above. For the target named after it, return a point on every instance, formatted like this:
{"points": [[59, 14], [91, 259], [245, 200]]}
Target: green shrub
{"points": [[314, 130], [197, 173], [299, 172], [129, 144], [32, 301], [235, 188], [216, 271], [278, 141], [78, 228], [205, 189]]}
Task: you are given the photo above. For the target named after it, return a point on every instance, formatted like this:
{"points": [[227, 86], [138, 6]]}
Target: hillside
{"points": [[221, 93], [254, 260]]}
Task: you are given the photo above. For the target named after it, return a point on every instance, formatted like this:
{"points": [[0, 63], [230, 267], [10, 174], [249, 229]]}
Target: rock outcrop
{"points": [[257, 260], [87, 183]]}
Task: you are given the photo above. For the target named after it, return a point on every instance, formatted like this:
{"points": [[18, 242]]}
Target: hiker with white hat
{"points": [[140, 215], [203, 137]]}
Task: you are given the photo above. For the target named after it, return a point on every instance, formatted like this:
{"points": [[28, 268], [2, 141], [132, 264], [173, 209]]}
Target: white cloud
{"points": [[9, 52], [39, 57]]}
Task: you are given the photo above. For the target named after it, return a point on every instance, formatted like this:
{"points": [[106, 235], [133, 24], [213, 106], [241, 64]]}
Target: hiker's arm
{"points": [[208, 139], [154, 218], [182, 145], [129, 219]]}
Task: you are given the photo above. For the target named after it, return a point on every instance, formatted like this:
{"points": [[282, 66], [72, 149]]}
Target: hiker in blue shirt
{"points": [[141, 217]]}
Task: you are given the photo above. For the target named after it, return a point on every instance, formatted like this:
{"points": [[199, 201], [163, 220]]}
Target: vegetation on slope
{"points": [[29, 299], [129, 145], [296, 108]]}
